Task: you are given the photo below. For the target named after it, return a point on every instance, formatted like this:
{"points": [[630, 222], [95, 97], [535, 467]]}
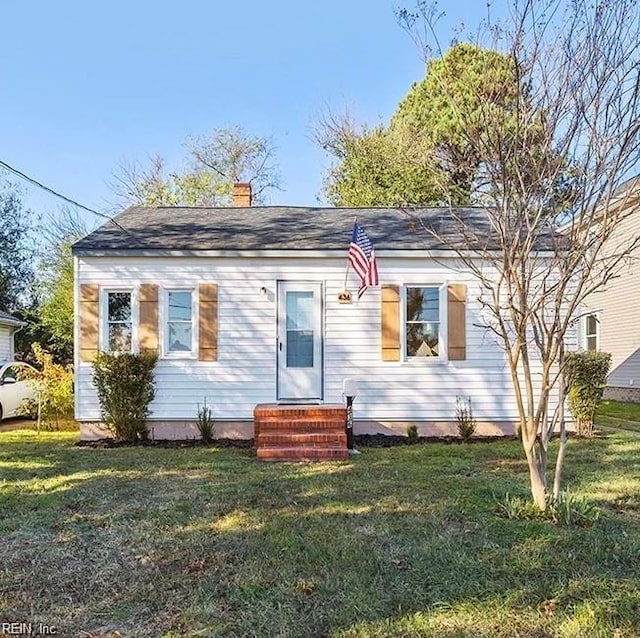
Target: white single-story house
{"points": [[8, 327], [244, 307]]}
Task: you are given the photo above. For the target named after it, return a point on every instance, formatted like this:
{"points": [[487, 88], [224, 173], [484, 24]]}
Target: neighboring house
{"points": [[8, 327], [611, 319], [243, 306]]}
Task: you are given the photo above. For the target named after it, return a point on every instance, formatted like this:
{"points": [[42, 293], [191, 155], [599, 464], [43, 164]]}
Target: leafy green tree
{"points": [[422, 157], [16, 251], [376, 166], [214, 162], [56, 285], [465, 94], [56, 309], [49, 316]]}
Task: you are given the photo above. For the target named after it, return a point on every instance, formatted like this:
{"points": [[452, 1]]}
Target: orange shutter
{"points": [[390, 323], [89, 321], [148, 336], [456, 322], [208, 322]]}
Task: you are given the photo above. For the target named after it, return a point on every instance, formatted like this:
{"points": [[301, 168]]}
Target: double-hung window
{"points": [[422, 321], [119, 325], [179, 322], [591, 332]]}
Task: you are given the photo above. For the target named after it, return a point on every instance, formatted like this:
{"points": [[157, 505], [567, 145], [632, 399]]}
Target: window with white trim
{"points": [[179, 314], [422, 321], [591, 332], [119, 321]]}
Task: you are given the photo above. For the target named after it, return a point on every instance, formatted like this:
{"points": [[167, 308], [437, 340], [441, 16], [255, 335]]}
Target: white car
{"points": [[13, 390]]}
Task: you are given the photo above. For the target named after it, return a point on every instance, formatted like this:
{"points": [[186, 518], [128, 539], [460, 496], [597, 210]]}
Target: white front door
{"points": [[299, 341]]}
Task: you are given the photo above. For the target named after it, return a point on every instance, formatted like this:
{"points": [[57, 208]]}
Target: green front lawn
{"points": [[619, 414], [395, 542]]}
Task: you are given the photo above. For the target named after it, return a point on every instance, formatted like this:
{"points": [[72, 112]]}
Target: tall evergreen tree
{"points": [[422, 157]]}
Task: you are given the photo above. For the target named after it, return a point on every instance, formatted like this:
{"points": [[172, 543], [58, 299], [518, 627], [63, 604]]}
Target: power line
{"points": [[35, 182]]}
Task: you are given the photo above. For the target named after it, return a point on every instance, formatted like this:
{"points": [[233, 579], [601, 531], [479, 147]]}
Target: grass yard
{"points": [[395, 542], [619, 414]]}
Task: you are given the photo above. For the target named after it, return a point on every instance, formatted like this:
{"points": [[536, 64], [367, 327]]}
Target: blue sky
{"points": [[87, 85]]}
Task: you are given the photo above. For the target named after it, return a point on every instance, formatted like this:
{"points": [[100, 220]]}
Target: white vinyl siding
{"points": [[6, 343], [245, 372], [618, 309]]}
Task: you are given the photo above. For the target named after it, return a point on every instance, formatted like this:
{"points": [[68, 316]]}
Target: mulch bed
{"points": [[218, 443], [361, 440], [385, 440]]}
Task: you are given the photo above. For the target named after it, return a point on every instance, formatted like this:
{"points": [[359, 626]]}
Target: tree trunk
{"points": [[537, 461], [585, 427], [562, 390], [557, 479]]}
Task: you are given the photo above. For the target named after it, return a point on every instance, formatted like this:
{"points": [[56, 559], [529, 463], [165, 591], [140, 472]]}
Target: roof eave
{"points": [[272, 254], [266, 254], [13, 322]]}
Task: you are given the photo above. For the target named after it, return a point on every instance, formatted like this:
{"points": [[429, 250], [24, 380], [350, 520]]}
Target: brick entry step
{"points": [[300, 432]]}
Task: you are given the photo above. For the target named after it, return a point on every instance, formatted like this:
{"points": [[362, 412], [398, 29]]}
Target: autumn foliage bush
{"points": [[54, 390]]}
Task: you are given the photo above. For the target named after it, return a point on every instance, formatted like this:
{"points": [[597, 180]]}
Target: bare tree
{"points": [[553, 193], [236, 156], [134, 183], [215, 162]]}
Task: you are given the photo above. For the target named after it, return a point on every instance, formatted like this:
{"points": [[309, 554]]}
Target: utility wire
{"points": [[35, 182]]}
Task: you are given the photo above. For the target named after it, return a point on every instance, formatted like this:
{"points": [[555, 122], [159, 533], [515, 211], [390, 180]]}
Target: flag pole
{"points": [[346, 272]]}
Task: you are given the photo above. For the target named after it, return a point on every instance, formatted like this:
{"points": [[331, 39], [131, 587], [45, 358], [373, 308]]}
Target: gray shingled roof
{"points": [[279, 228], [6, 318]]}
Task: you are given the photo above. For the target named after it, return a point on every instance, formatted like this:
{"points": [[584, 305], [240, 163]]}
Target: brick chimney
{"points": [[242, 194]]}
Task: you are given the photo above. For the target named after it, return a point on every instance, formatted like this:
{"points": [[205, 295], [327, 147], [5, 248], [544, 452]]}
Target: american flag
{"points": [[363, 259]]}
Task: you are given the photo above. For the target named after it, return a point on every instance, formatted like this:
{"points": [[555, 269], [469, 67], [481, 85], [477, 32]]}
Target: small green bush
{"points": [[464, 418], [412, 434], [515, 507], [565, 511], [206, 422], [586, 378], [124, 382], [570, 511]]}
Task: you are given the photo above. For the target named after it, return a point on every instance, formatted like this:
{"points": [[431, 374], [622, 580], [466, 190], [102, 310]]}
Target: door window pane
{"points": [[300, 336], [299, 310], [299, 349]]}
